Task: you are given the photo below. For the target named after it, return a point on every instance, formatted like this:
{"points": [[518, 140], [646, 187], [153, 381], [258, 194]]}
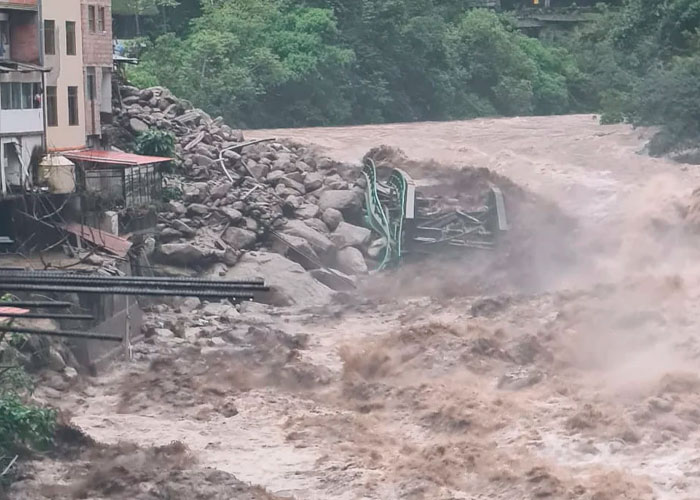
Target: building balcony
{"points": [[21, 121], [20, 105]]}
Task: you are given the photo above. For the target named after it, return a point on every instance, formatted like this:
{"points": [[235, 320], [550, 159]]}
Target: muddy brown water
{"points": [[586, 387]]}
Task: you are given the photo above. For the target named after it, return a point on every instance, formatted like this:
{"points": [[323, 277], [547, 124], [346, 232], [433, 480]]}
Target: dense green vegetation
{"points": [[23, 426], [262, 63]]}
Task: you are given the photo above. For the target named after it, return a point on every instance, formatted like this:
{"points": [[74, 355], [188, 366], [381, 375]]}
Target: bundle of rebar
{"points": [[63, 282], [17, 280]]}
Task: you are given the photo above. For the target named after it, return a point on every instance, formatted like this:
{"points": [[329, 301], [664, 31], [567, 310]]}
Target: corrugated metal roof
{"points": [[114, 158], [113, 244]]}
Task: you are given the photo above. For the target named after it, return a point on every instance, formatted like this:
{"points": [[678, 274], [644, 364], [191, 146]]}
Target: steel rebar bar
{"points": [[117, 290], [61, 333], [160, 279], [77, 317], [98, 281], [37, 304]]}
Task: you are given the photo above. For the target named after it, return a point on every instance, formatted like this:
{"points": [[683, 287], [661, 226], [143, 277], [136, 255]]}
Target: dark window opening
{"points": [[91, 18], [70, 38], [50, 37], [51, 107], [72, 106]]}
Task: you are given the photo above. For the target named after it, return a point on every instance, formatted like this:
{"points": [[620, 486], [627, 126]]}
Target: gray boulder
{"points": [[317, 224], [232, 214], [198, 209], [332, 217], [177, 207], [239, 238], [221, 190], [307, 211], [138, 125], [201, 160], [183, 228], [169, 234], [259, 170], [313, 181], [181, 253], [334, 279], [289, 283], [292, 184], [275, 176], [349, 235], [318, 241], [342, 200], [296, 249], [351, 261]]}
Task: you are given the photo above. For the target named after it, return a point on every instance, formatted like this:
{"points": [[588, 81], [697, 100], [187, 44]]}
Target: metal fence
{"points": [[122, 186]]}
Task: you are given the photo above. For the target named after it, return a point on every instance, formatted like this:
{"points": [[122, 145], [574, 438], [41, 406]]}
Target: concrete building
{"points": [[21, 114], [65, 83], [97, 67]]}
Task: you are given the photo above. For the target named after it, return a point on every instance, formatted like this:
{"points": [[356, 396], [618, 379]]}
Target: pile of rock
{"points": [[236, 197]]}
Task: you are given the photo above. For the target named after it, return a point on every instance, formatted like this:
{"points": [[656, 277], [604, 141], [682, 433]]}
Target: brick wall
{"points": [[97, 54], [18, 3], [97, 47], [24, 37]]}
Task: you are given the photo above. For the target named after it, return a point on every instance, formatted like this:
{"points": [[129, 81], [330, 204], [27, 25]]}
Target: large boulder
{"points": [[138, 125], [181, 254], [296, 249], [344, 200], [318, 225], [239, 238], [313, 181], [334, 279], [349, 235], [183, 228], [318, 241], [307, 211], [177, 207], [221, 190], [232, 214], [332, 218], [289, 182], [351, 261], [289, 283], [202, 160], [198, 209]]}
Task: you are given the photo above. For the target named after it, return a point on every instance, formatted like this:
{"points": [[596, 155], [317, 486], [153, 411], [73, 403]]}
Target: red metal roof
{"points": [[10, 310], [113, 244], [114, 157]]}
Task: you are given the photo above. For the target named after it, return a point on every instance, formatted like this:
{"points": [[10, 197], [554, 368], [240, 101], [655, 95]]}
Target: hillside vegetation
{"points": [[270, 63]]}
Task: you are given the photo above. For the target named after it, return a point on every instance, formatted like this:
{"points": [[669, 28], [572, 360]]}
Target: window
{"points": [[4, 39], [50, 37], [16, 96], [72, 105], [27, 97], [51, 107], [5, 96], [36, 92], [90, 87], [101, 20], [20, 95], [91, 18], [70, 38]]}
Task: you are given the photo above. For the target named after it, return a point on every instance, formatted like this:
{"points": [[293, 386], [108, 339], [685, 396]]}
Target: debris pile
{"points": [[239, 196]]}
